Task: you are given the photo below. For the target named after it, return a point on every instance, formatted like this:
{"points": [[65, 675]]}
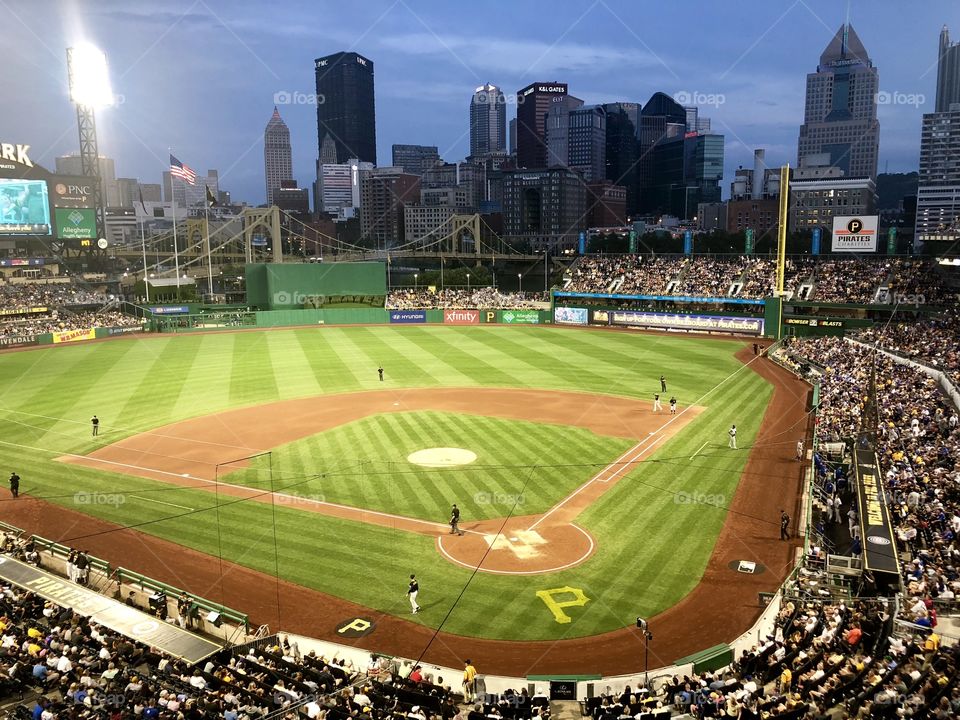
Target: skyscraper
{"points": [[938, 193], [948, 72], [622, 151], [840, 119], [277, 157], [346, 119], [533, 102], [415, 159], [556, 129], [488, 121]]}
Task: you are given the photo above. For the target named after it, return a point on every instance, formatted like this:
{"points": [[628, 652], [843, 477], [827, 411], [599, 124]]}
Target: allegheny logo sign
{"points": [[520, 317], [76, 223]]}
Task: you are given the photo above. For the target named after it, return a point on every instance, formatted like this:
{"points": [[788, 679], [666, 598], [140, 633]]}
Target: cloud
{"points": [[483, 53]]}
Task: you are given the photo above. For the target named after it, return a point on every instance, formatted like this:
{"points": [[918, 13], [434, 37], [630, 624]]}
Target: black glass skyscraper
{"points": [[346, 119]]}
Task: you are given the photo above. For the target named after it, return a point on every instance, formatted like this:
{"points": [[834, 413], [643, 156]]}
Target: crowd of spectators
{"points": [[933, 340], [31, 309], [27, 295], [917, 437], [852, 280], [62, 320], [484, 298], [822, 659]]}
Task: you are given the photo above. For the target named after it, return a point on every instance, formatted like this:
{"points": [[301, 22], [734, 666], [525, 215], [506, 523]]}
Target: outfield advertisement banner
{"points": [[21, 341], [705, 323], [520, 317], [23, 310], [125, 330], [570, 316], [461, 317], [68, 336], [170, 310], [879, 546], [408, 316]]}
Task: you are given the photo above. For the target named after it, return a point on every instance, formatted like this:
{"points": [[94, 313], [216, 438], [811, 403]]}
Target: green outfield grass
{"points": [[652, 545], [521, 467]]}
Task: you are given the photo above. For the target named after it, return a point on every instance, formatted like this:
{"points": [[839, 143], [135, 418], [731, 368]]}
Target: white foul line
{"points": [[161, 502], [699, 449], [635, 453]]}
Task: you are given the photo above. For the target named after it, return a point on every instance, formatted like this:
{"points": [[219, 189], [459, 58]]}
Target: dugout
{"points": [[282, 286]]}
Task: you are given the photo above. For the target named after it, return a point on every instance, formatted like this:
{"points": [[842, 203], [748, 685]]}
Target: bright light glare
{"points": [[89, 79]]}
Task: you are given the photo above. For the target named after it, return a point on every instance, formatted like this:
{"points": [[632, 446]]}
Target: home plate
{"points": [[531, 537]]}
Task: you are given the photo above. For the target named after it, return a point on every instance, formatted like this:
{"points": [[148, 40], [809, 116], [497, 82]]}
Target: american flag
{"points": [[184, 172]]}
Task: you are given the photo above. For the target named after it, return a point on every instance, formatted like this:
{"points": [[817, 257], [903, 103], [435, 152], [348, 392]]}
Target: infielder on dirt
{"points": [[656, 403]]}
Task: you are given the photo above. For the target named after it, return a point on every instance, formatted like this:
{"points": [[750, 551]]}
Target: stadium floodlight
{"points": [[88, 76]]}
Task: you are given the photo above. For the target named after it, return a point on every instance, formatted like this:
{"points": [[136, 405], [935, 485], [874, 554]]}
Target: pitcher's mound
{"points": [[442, 457]]}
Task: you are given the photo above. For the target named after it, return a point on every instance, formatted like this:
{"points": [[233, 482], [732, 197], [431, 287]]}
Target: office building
{"points": [[71, 165], [533, 103], [293, 200], [948, 73], [606, 204], [384, 192], [544, 209], [426, 224], [468, 176], [150, 192], [621, 155], [678, 169], [815, 201], [346, 118], [840, 116], [277, 156], [415, 159], [488, 121], [938, 192], [557, 129], [337, 190], [662, 122]]}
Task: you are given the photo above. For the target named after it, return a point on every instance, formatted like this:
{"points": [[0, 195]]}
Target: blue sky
{"points": [[200, 76]]}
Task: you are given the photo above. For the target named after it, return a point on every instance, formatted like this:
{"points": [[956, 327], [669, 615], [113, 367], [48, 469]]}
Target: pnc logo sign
{"points": [[15, 153]]}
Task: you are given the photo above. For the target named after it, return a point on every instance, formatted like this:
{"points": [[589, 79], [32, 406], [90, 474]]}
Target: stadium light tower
{"points": [[89, 89]]}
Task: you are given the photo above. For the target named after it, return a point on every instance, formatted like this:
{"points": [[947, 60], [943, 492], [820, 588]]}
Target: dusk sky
{"points": [[201, 76]]}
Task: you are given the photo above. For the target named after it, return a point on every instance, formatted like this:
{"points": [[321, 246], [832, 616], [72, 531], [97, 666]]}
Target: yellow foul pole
{"points": [[782, 228]]}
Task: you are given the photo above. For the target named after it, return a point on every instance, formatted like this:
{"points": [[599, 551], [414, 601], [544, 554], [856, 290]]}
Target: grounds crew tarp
{"points": [[120, 618]]}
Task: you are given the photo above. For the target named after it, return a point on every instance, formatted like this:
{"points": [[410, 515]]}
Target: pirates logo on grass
{"points": [[356, 627]]}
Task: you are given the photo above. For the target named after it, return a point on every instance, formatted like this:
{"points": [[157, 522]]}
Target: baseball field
{"points": [[281, 456]]}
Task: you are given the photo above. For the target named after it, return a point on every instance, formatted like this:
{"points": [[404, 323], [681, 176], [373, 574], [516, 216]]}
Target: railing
{"points": [[197, 603]]}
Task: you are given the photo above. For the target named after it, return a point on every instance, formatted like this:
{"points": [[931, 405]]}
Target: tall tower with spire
{"points": [[840, 127], [948, 73], [277, 156]]}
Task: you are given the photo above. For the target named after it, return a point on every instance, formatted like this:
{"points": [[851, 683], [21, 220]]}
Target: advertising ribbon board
{"points": [[18, 341], [706, 323], [23, 310]]}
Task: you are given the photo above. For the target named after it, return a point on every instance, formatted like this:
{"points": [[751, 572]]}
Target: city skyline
{"points": [[604, 53]]}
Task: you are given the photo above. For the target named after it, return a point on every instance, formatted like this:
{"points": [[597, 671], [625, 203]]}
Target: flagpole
{"points": [[176, 253]]}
